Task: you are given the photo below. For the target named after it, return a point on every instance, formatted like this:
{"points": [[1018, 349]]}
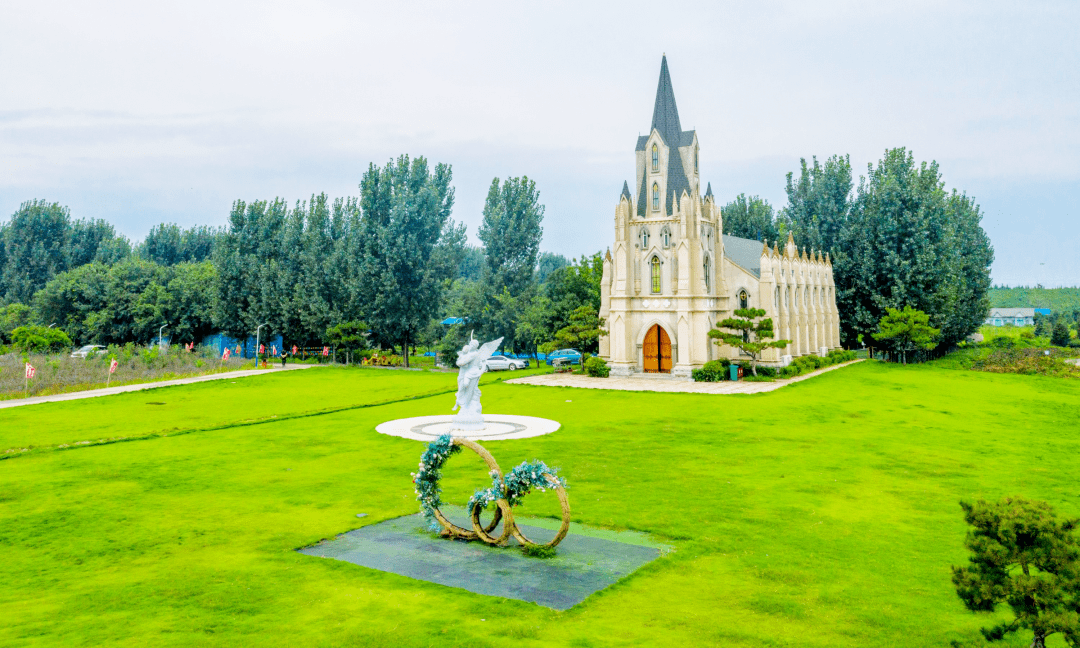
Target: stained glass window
{"points": [[656, 197], [644, 237], [743, 300], [655, 275], [655, 158], [708, 281]]}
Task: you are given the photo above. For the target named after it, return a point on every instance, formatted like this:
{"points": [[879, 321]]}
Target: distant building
{"points": [[1011, 317]]}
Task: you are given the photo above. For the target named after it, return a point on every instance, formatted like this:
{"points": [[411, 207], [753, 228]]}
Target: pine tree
{"points": [[1022, 555], [750, 337]]}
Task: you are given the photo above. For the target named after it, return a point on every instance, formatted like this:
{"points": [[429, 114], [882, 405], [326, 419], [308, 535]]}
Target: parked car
{"points": [[85, 351], [504, 363], [572, 356]]}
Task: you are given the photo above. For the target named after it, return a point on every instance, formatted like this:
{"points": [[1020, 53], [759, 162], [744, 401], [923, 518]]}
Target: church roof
{"points": [[625, 191], [666, 121], [708, 191], [745, 253]]}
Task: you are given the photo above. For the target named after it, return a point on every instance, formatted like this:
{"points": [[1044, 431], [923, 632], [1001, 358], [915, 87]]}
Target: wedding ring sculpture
{"points": [[505, 492]]}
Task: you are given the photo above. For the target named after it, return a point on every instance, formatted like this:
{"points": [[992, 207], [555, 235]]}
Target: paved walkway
{"points": [[108, 391], [642, 383]]}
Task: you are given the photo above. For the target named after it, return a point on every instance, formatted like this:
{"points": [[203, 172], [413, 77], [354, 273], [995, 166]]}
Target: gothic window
{"points": [[777, 300], [665, 234], [695, 160], [644, 238], [708, 279], [655, 197], [655, 158], [655, 263]]}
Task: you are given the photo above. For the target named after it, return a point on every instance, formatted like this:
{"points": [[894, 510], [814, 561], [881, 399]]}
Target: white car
{"points": [[83, 352], [501, 363]]}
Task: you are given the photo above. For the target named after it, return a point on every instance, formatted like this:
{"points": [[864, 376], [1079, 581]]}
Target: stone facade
{"points": [[671, 274]]}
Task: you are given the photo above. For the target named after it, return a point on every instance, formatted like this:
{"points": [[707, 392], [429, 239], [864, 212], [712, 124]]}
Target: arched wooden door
{"points": [[657, 350]]}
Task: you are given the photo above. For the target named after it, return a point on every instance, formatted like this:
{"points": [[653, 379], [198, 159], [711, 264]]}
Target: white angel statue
{"points": [[472, 360]]}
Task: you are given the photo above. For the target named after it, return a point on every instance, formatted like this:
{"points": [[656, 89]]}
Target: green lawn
{"points": [[821, 514]]}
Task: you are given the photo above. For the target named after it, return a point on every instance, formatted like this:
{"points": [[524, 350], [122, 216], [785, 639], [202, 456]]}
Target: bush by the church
{"points": [[597, 367], [711, 371], [806, 364]]}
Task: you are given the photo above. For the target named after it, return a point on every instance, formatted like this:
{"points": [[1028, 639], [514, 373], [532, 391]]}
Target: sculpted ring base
{"points": [[496, 427]]}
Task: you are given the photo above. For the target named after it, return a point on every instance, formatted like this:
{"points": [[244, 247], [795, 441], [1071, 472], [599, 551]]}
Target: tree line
{"points": [[898, 239], [390, 262]]}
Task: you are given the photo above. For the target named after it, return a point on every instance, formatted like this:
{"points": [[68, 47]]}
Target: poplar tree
{"points": [[752, 218], [406, 208]]}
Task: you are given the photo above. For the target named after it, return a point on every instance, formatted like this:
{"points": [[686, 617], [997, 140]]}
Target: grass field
{"points": [[821, 514]]}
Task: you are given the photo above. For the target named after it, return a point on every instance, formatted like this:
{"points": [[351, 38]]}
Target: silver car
{"points": [[503, 363], [83, 352]]}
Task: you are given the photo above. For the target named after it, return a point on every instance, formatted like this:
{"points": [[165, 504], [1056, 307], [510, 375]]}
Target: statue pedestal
{"points": [[468, 421]]}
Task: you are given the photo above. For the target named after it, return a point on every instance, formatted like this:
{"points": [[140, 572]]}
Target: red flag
{"points": [[294, 349], [273, 349], [113, 365], [326, 350], [30, 370], [262, 348], [225, 356]]}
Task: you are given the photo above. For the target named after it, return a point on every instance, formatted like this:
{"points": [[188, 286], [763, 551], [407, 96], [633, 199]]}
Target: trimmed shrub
{"points": [[711, 371], [767, 372], [597, 367]]}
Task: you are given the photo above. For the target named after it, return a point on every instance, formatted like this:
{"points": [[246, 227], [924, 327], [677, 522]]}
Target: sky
{"points": [[142, 113]]}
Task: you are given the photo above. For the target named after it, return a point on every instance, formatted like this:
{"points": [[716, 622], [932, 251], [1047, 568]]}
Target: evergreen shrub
{"points": [[597, 367], [711, 371]]}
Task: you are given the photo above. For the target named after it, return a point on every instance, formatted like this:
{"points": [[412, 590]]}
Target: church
{"points": [[672, 274]]}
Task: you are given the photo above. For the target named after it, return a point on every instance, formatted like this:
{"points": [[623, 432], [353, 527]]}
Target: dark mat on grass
{"points": [[585, 563]]}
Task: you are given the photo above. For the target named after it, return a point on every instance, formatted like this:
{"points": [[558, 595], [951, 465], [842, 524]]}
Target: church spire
{"points": [[665, 117], [708, 191], [626, 191]]}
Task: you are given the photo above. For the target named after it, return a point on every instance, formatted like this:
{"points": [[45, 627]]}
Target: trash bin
{"points": [[734, 371]]}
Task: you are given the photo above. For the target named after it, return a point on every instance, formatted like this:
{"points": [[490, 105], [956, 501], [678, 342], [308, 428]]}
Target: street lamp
{"points": [[257, 329], [160, 343]]}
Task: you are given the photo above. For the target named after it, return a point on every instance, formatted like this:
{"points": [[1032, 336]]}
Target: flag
{"points": [[262, 349], [294, 349], [113, 365], [191, 346], [225, 356], [273, 349], [326, 350], [30, 371]]}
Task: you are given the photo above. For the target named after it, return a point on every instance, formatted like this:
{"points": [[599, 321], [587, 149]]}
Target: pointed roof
{"points": [[665, 117], [666, 121], [708, 191], [626, 191]]}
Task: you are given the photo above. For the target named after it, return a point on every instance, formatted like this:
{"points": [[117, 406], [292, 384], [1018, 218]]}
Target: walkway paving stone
{"points": [[658, 384], [107, 391]]}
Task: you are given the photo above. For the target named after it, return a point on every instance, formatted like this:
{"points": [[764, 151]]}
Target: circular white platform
{"points": [[497, 427]]}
